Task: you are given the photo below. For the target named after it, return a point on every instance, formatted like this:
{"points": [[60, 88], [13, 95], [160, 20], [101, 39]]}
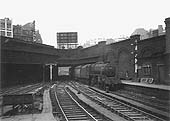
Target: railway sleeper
{"points": [[117, 110]]}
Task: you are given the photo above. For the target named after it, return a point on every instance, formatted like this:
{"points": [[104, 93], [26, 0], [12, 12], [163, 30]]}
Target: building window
{"points": [[2, 26], [9, 34], [147, 69], [9, 26], [2, 33]]}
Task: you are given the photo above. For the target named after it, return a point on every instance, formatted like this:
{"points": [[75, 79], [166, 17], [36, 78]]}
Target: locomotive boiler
{"points": [[98, 74]]}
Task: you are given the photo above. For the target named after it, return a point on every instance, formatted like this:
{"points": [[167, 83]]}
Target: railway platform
{"points": [[154, 86], [160, 92], [46, 114]]}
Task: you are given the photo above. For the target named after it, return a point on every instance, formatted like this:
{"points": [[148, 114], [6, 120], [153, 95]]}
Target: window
{"points": [[61, 35], [9, 34], [2, 33], [2, 26], [147, 69], [9, 25]]}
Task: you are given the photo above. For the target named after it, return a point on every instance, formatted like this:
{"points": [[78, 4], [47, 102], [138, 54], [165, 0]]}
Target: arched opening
{"points": [[125, 68]]}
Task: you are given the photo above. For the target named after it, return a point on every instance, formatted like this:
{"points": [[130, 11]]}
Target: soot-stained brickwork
{"points": [[153, 56]]}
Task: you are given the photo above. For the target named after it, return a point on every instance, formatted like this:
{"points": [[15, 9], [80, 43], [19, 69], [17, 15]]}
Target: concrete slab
{"points": [[46, 114]]}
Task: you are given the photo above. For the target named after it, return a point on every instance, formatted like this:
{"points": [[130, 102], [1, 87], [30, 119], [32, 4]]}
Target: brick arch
{"points": [[125, 68], [123, 50], [147, 51], [110, 56]]}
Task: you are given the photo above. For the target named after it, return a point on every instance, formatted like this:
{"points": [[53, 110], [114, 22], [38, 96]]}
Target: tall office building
{"points": [[27, 32], [6, 27]]}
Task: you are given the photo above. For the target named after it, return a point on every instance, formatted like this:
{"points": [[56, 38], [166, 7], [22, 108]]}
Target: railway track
{"points": [[68, 109], [147, 100], [120, 108]]}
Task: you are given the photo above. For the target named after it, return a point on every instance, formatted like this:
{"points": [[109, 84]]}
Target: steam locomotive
{"points": [[98, 74]]}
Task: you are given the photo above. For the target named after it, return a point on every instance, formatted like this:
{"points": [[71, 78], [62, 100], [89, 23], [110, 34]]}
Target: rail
{"points": [[67, 104], [124, 110]]}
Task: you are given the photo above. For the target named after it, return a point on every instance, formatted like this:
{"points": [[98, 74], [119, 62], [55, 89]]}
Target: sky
{"points": [[90, 18]]}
